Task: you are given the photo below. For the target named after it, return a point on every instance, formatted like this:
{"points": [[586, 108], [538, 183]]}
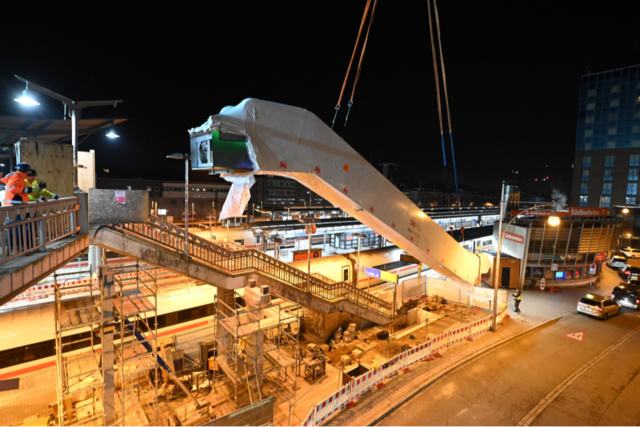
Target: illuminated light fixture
{"points": [[26, 99], [112, 134], [554, 220], [625, 211]]}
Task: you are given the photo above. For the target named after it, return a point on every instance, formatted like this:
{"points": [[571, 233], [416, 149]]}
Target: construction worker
{"points": [[16, 192], [39, 193], [517, 297]]}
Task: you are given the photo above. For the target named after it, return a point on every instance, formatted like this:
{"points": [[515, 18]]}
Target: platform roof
{"points": [[47, 130]]}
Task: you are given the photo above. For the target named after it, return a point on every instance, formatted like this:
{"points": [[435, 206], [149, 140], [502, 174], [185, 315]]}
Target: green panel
{"points": [[229, 151]]}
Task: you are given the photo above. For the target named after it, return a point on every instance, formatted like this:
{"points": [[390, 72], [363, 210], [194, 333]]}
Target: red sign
{"points": [[578, 336], [601, 256], [121, 198], [304, 254], [573, 211], [514, 237]]}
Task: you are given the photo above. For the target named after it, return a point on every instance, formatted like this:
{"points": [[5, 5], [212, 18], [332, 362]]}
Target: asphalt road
{"points": [[505, 385]]}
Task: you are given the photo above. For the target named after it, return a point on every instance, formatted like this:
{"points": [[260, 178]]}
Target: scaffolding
{"points": [[135, 303], [255, 343], [124, 310], [79, 368]]}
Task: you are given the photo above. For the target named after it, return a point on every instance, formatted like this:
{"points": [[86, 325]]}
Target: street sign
{"points": [[592, 269], [378, 274], [554, 267], [578, 336], [542, 283]]}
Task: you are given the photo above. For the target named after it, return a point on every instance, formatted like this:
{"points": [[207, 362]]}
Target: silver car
{"points": [[598, 306], [617, 261]]}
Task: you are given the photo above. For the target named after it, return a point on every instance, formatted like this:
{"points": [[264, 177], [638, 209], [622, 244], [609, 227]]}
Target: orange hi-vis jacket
{"points": [[15, 193]]}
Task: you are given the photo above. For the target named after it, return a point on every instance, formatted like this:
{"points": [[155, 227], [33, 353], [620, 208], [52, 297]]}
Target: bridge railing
{"points": [[235, 258], [32, 226]]}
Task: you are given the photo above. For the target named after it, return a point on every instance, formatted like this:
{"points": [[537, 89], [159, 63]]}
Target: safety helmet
{"points": [[32, 172], [23, 167]]}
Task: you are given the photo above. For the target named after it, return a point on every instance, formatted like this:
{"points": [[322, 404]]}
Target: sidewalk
{"points": [[537, 307]]}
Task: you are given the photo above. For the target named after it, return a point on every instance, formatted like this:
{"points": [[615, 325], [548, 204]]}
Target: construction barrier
{"points": [[337, 401]]}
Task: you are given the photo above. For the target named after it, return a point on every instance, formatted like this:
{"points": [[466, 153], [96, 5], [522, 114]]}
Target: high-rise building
{"points": [[607, 158]]}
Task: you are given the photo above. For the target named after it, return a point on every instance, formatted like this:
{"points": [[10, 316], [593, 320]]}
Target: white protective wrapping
{"points": [[292, 142], [238, 196]]}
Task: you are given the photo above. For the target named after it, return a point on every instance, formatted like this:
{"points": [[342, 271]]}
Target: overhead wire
{"points": [[364, 48], [353, 55], [446, 95], [435, 72]]}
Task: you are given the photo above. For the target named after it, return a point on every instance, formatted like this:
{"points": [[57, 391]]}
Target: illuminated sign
{"points": [[304, 254], [573, 211]]}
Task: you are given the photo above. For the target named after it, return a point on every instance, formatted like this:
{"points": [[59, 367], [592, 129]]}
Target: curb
{"points": [[477, 354]]}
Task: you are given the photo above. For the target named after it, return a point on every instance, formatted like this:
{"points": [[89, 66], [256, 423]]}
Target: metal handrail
{"points": [[233, 257], [21, 237]]}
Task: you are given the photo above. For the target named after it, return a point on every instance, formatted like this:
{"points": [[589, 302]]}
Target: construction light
{"points": [[625, 211]]}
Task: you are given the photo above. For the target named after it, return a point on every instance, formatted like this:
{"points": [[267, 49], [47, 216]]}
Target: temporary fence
{"points": [[360, 385]]}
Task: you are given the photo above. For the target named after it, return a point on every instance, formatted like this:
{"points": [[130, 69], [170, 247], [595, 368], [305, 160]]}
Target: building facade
{"points": [[607, 159], [271, 191]]}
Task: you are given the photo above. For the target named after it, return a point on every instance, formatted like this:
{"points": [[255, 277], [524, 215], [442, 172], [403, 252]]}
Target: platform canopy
{"points": [[48, 130]]}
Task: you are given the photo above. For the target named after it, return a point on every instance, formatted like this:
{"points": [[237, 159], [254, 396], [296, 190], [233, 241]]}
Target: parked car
{"points": [[631, 252], [629, 272], [617, 261], [598, 306], [627, 296]]}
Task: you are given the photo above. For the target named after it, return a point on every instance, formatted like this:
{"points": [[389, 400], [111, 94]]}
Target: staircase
{"points": [[229, 265]]}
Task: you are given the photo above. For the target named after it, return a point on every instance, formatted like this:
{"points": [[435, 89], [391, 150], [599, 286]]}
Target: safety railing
{"points": [[232, 257], [32, 226]]}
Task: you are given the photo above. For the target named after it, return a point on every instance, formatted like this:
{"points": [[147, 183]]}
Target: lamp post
{"points": [[553, 221], [185, 157], [75, 111], [358, 235]]}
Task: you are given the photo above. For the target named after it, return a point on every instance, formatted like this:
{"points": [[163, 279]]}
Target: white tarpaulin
{"points": [[292, 142], [238, 196]]}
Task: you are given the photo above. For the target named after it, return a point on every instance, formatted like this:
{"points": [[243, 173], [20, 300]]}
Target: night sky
{"points": [[513, 72]]}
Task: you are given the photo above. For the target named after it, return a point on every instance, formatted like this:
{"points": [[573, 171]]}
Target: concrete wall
{"points": [[104, 210]]}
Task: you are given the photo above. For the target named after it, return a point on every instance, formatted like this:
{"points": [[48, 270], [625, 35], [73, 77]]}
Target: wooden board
{"points": [[87, 170], [53, 162]]}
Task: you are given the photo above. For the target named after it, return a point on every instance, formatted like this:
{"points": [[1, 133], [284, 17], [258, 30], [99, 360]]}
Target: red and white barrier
{"points": [[332, 404], [337, 401]]}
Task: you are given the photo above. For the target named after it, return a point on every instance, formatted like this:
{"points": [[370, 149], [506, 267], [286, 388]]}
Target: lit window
{"points": [[630, 200], [605, 201], [589, 120], [592, 92], [588, 133], [608, 175], [632, 189], [583, 201], [606, 188], [608, 161], [586, 162], [585, 174], [584, 188], [613, 117], [612, 131], [633, 174], [614, 103], [591, 106], [615, 89], [634, 160]]}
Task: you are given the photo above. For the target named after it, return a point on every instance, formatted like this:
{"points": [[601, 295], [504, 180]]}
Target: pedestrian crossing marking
{"points": [[578, 336]]}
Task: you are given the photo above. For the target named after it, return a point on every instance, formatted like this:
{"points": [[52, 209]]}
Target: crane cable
{"points": [[353, 55], [364, 48], [446, 95], [435, 72]]}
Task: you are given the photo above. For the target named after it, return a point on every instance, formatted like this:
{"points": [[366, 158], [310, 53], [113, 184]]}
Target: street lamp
{"points": [[185, 157], [553, 221], [75, 109]]}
